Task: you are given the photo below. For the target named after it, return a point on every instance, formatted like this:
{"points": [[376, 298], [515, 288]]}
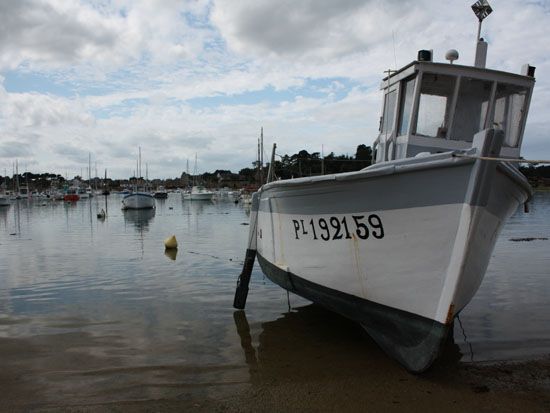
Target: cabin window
{"points": [[435, 100], [471, 108], [406, 106], [389, 112], [508, 114]]}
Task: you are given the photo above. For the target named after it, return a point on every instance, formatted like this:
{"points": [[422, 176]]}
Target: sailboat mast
{"points": [[195, 171], [139, 162], [258, 177], [17, 177]]}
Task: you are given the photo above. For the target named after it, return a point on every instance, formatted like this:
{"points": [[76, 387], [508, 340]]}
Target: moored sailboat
{"points": [[402, 245], [197, 192], [140, 197]]}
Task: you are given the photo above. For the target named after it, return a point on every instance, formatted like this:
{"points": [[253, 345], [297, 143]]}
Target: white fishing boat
{"points": [[198, 193], [402, 245], [23, 192]]}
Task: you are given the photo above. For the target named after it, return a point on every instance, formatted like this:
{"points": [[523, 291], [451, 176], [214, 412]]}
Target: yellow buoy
{"points": [[171, 242]]}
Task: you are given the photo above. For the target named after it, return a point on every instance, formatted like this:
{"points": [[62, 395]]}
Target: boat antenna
{"points": [[481, 9]]}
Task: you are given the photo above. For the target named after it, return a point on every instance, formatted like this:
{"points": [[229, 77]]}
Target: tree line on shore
{"points": [[286, 166]]}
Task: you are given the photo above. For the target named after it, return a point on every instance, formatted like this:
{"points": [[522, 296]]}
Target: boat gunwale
{"points": [[435, 161], [145, 194]]}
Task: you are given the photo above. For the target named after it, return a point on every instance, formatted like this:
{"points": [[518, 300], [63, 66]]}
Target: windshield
{"points": [[435, 100], [509, 111]]}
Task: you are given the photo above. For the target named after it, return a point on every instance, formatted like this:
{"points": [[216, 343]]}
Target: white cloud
{"points": [[133, 71], [54, 33], [306, 29]]}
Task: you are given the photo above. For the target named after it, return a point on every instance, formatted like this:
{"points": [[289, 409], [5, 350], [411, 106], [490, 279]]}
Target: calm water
{"points": [[95, 307]]}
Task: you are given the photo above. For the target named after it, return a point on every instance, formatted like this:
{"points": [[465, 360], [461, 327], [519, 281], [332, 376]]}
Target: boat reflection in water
{"points": [[140, 218], [302, 342]]}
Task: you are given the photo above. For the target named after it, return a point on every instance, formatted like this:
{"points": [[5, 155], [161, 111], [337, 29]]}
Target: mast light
{"points": [[481, 9]]}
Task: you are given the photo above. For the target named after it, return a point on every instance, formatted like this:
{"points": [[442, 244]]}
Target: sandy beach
{"points": [[301, 369]]}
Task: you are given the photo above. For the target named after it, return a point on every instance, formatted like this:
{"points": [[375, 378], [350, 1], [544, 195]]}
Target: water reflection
{"points": [[195, 207], [171, 253], [16, 219], [243, 329], [140, 218], [112, 317], [105, 203], [4, 212], [304, 341], [312, 342]]}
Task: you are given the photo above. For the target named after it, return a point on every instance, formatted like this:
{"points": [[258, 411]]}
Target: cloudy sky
{"points": [[180, 78]]}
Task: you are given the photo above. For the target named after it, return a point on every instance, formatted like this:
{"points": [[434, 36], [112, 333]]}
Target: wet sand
{"points": [[310, 360]]}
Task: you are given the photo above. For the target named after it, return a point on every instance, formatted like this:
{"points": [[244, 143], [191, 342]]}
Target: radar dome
{"points": [[451, 55]]}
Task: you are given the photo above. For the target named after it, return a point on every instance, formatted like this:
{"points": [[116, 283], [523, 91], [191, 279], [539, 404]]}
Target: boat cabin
{"points": [[439, 107]]}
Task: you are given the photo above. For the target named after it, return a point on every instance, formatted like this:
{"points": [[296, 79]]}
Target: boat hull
{"points": [[400, 248], [71, 197], [410, 339], [206, 196], [138, 200]]}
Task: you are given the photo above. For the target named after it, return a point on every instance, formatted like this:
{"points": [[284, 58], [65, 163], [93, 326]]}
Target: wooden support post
{"points": [[241, 293]]}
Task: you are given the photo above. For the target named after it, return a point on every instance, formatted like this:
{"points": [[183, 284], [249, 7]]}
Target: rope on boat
{"points": [[488, 158]]}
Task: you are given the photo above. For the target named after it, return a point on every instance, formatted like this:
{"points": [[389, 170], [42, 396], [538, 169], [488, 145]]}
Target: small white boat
{"points": [[83, 193], [402, 245], [198, 193], [160, 193], [24, 192]]}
